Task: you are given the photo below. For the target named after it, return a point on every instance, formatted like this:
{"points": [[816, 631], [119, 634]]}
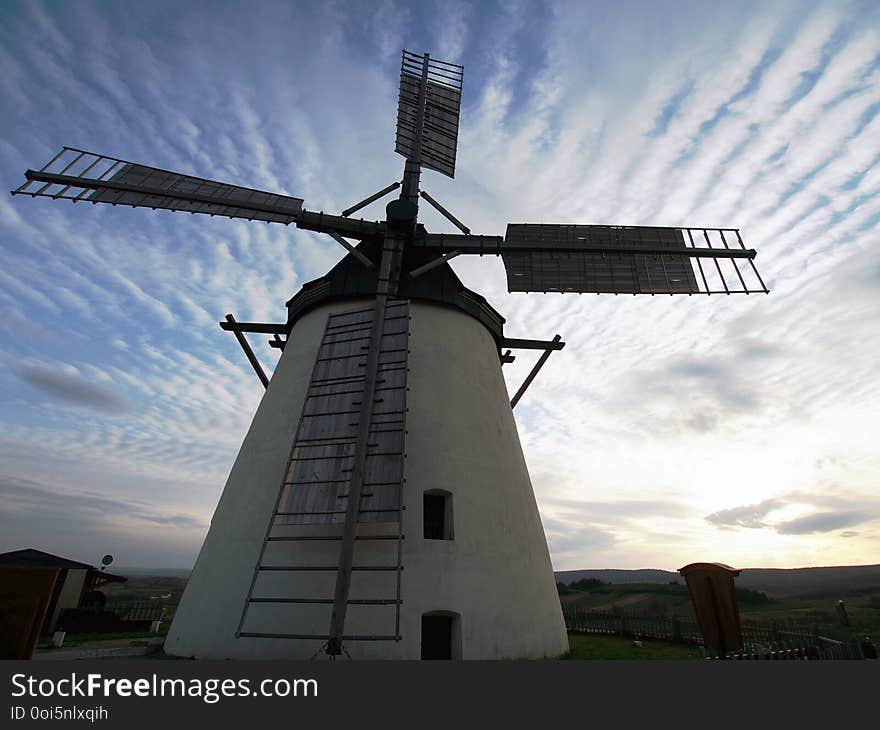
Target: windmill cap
{"points": [[401, 211]]}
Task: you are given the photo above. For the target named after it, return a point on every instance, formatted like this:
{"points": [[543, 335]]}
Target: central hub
{"points": [[401, 212]]}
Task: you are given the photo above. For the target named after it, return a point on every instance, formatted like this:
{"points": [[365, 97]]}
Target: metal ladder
{"points": [[317, 478]]}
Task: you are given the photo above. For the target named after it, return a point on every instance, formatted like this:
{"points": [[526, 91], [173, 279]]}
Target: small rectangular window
{"points": [[435, 517]]}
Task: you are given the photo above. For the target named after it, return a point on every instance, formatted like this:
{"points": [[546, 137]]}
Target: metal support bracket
{"points": [[555, 344], [433, 264], [249, 353], [366, 201], [351, 249], [260, 328], [277, 342], [446, 214]]}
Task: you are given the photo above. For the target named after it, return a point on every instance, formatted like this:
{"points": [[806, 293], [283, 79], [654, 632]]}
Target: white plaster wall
{"points": [[462, 438], [70, 594]]}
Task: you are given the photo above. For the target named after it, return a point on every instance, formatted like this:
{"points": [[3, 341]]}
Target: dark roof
{"points": [[350, 280], [29, 557]]}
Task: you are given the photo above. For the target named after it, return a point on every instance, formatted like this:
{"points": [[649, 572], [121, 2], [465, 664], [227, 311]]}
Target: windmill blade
{"points": [[428, 110], [82, 176], [626, 260]]}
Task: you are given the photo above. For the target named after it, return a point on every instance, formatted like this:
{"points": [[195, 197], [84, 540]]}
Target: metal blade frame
{"points": [[94, 178], [429, 107], [613, 259]]}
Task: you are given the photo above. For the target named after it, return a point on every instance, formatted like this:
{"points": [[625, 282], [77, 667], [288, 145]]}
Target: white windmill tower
{"points": [[380, 505]]}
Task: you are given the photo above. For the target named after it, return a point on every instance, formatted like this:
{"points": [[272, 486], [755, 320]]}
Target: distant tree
{"points": [[748, 597], [586, 585]]}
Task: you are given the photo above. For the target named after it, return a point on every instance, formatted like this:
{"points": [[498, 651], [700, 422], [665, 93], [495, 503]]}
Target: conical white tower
{"points": [[475, 578]]}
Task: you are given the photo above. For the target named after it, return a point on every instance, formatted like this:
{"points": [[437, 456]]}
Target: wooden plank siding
{"points": [[319, 471]]}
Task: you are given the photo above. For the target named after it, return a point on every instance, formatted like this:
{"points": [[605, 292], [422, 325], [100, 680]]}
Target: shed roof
{"points": [[29, 557]]}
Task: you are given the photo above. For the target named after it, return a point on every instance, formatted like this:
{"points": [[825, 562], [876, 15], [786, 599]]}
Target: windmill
{"points": [[385, 439]]}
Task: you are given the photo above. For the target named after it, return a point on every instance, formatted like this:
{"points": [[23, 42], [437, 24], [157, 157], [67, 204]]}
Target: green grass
{"points": [[591, 646], [73, 640], [864, 620], [673, 600]]}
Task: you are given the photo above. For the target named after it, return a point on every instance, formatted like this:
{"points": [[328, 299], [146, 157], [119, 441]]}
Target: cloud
{"points": [[688, 391], [822, 522], [74, 389], [616, 510], [82, 524], [749, 515], [74, 505], [567, 539], [664, 403], [835, 511]]}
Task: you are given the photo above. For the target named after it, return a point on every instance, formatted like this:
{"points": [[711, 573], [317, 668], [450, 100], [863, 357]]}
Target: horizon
{"points": [[142, 568], [729, 429]]}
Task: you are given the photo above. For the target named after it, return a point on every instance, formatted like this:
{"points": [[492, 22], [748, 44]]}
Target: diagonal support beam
{"points": [[366, 201], [351, 249], [258, 369], [559, 344], [424, 268], [446, 214]]}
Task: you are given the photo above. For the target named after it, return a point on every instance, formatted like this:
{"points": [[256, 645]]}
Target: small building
{"points": [[36, 587]]}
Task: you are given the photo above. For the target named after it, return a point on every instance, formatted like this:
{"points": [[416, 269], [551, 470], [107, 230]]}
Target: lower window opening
{"points": [[441, 636]]}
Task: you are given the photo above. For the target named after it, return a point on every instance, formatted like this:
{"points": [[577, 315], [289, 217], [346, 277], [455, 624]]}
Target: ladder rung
{"points": [[336, 512], [328, 567], [304, 514], [311, 484], [253, 635], [355, 601], [296, 538]]}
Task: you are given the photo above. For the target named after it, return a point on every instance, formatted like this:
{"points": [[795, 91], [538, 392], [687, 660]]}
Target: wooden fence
{"points": [[773, 640], [137, 610]]}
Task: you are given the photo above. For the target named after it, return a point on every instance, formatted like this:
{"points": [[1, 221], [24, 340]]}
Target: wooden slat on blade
{"points": [[533, 265], [223, 197], [439, 136]]}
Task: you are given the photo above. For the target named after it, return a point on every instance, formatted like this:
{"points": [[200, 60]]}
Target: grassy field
{"points": [[862, 605], [76, 640], [646, 598], [145, 587], [651, 599], [864, 620], [166, 590], [585, 646]]}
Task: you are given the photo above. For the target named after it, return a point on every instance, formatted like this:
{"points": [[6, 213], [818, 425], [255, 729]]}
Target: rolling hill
{"points": [[775, 582]]}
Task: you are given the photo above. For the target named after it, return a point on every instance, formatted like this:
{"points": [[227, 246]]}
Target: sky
{"points": [[669, 430]]}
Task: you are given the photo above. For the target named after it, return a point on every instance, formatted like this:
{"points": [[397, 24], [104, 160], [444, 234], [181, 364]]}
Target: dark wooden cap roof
{"points": [[349, 279]]}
